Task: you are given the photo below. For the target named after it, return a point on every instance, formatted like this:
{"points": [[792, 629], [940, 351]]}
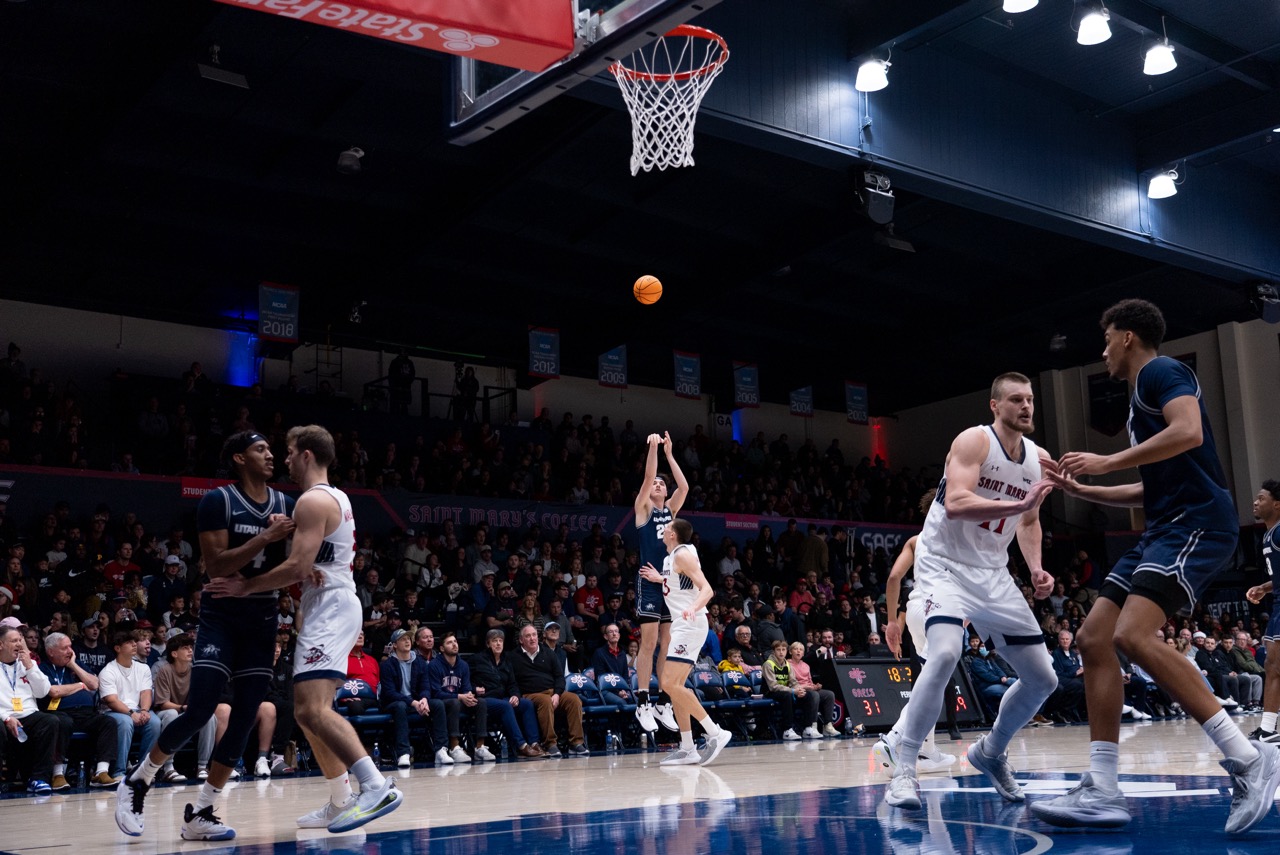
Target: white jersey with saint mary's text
{"points": [[338, 550], [678, 589], [984, 544]]}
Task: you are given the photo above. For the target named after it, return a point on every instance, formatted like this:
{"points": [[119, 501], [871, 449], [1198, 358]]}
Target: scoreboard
{"points": [[874, 691]]}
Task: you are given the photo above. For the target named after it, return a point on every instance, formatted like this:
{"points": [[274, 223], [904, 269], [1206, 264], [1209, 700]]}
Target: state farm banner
{"points": [[527, 34]]}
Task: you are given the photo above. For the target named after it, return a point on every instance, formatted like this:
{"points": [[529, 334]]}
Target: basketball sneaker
{"points": [[322, 816], [1270, 736], [666, 716], [933, 760], [1253, 787], [997, 770], [644, 715], [1085, 806], [368, 806], [204, 825], [130, 796], [715, 744], [903, 792], [681, 757], [885, 751]]}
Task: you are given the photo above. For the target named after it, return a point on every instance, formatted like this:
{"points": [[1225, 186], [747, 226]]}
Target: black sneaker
{"points": [[1261, 735]]}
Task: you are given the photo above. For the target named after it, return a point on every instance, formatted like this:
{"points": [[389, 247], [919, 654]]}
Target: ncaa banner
{"points": [[613, 367], [746, 384], [527, 34], [278, 312], [544, 352], [802, 402], [688, 374], [855, 403]]}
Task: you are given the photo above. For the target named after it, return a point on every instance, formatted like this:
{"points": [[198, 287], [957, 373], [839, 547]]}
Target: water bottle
{"points": [[608, 742], [84, 776], [644, 739], [377, 755], [22, 733]]}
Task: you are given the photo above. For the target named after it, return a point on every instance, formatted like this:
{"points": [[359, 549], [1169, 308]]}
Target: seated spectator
{"points": [[1068, 698], [424, 644], [164, 586], [30, 736], [124, 693], [541, 681], [804, 680], [405, 695], [91, 654], [1217, 668], [1246, 668], [610, 659], [767, 629], [449, 679], [362, 666], [71, 701], [751, 660], [779, 684], [551, 640], [495, 684], [172, 686], [992, 676], [280, 694]]}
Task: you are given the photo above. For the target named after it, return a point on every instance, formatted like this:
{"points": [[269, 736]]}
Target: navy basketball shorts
{"points": [[1171, 566]]}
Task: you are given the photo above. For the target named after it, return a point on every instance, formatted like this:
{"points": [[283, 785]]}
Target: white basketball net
{"points": [[663, 88]]}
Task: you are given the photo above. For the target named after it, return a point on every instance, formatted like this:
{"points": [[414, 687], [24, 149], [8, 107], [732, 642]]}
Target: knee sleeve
{"points": [[1034, 667]]}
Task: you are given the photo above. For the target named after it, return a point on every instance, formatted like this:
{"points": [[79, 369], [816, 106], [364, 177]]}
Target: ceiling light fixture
{"points": [[1016, 6], [873, 75], [1163, 184], [1094, 29], [1159, 59], [349, 161]]}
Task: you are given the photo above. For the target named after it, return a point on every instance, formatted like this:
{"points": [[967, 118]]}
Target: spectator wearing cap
{"points": [[551, 639], [91, 653], [22, 684], [484, 565], [170, 581], [124, 694], [483, 592], [71, 701], [404, 693], [120, 611]]}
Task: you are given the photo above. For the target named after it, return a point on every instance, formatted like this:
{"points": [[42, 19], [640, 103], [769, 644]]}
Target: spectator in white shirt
{"points": [[124, 691]]}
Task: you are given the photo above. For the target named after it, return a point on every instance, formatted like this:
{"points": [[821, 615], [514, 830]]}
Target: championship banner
{"points": [[544, 352], [278, 312], [855, 403], [527, 34], [613, 367], [746, 384], [688, 375], [802, 402]]}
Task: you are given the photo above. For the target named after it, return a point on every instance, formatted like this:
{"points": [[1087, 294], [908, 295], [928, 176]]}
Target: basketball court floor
{"points": [[761, 799]]}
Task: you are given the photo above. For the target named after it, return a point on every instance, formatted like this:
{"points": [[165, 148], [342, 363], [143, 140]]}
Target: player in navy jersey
{"points": [[1191, 535], [1266, 509], [243, 527], [654, 511]]}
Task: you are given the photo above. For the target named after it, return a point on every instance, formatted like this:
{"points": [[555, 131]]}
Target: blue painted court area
{"points": [[1173, 815]]}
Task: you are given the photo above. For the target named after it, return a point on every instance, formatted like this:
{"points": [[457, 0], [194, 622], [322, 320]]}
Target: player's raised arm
{"points": [[675, 501], [643, 503]]}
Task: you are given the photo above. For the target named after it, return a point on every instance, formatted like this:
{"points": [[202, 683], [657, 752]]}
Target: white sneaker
{"points": [[443, 758], [1229, 703], [484, 755], [681, 757], [937, 762], [1085, 806], [204, 825], [202, 773], [262, 769], [1253, 787], [903, 792], [459, 756], [1141, 716], [790, 735], [644, 715], [368, 806], [885, 751], [129, 798], [322, 816], [829, 730], [715, 744], [666, 716], [812, 732], [403, 761], [997, 770]]}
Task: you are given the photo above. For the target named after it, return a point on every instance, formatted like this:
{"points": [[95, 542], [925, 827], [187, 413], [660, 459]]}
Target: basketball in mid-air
{"points": [[648, 290]]}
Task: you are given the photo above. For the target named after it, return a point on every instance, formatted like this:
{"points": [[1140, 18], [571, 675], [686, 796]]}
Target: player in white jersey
{"points": [[686, 592], [990, 491], [323, 548]]}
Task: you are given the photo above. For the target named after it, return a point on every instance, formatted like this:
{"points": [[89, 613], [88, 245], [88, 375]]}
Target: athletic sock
{"points": [[1269, 722], [367, 774], [686, 740], [208, 795], [709, 727], [908, 754], [642, 698], [59, 769], [1104, 762], [339, 789], [1230, 741], [146, 771]]}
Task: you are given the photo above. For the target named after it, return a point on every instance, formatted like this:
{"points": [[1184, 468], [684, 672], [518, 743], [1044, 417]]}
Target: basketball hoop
{"points": [[663, 87]]}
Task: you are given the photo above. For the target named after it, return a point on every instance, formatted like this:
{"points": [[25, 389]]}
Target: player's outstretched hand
{"points": [[651, 573], [654, 439], [1065, 483], [666, 441], [227, 586], [1255, 594], [1043, 583], [1035, 494], [893, 638], [1077, 463]]}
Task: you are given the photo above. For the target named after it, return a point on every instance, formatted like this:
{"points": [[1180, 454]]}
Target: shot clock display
{"points": [[874, 691]]}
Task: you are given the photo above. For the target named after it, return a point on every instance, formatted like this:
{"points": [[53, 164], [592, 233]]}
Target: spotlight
{"points": [[1016, 6], [873, 75], [1057, 343], [877, 198], [349, 161], [1163, 184], [1094, 28], [1159, 59]]}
